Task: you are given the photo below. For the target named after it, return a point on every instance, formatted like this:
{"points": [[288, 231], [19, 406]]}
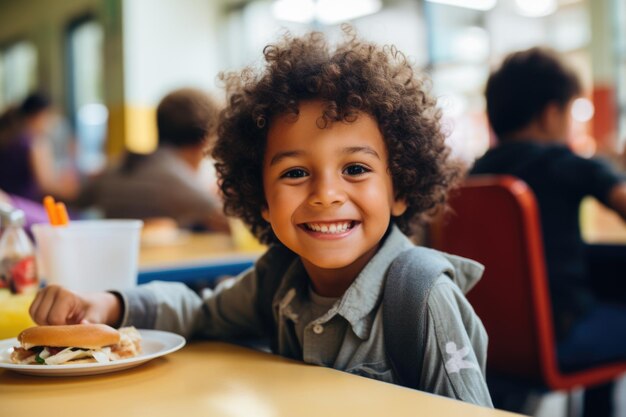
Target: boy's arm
{"points": [[228, 311], [456, 347]]}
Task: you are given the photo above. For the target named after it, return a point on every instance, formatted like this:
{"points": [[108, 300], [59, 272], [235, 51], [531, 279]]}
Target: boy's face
{"points": [[329, 193]]}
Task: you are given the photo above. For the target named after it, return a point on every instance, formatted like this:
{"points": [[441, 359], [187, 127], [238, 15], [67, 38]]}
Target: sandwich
{"points": [[77, 343]]}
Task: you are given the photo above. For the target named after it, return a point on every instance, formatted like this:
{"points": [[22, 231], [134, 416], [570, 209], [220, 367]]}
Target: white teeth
{"points": [[332, 228]]}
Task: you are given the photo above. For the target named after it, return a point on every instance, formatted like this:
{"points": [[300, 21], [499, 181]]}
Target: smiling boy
{"points": [[328, 155], [329, 194]]}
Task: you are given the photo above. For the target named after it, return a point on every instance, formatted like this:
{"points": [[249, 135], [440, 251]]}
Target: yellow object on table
{"points": [[243, 239], [14, 315]]}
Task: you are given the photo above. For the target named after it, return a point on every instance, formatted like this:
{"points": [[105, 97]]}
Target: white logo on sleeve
{"points": [[456, 361]]}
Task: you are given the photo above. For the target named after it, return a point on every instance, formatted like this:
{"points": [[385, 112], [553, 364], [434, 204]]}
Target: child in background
{"points": [[166, 184], [329, 155], [532, 132]]}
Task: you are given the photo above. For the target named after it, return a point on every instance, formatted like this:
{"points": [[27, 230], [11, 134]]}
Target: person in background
{"points": [[528, 104], [167, 182], [27, 166], [330, 155]]}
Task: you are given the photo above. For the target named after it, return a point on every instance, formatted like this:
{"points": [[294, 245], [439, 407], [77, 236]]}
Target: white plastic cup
{"points": [[90, 255]]}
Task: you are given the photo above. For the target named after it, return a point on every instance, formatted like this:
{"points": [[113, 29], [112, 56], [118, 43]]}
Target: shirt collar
{"points": [[360, 299], [363, 296]]}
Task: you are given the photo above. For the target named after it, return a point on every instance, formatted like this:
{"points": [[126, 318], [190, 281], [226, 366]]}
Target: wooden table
{"points": [[217, 379], [197, 256]]}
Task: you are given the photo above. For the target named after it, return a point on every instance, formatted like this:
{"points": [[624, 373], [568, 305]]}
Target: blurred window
{"points": [[459, 50], [466, 36], [251, 25], [88, 113], [18, 72]]}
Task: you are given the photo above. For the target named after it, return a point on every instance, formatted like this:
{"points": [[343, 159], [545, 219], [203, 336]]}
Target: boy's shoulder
{"points": [[271, 267], [423, 261], [425, 287]]}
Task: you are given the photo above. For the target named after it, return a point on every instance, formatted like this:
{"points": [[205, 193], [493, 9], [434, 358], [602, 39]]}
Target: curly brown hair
{"points": [[355, 76]]}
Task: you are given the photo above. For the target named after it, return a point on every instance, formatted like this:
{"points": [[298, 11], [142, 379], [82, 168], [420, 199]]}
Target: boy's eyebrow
{"points": [[357, 149], [350, 150], [282, 155]]}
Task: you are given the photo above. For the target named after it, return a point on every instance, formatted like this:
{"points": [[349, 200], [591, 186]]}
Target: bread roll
{"points": [[84, 336]]}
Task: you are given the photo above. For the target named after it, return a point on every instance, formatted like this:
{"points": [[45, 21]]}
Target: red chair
{"points": [[495, 220]]}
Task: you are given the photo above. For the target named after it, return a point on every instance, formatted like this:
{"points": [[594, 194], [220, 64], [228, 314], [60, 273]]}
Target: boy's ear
{"points": [[265, 213], [398, 207]]}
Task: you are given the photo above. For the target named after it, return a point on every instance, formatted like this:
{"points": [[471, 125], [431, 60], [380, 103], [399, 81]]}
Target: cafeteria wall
{"points": [[151, 47], [165, 47], [148, 51], [45, 25]]}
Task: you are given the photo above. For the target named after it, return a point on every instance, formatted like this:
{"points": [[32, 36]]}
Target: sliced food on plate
{"points": [[73, 344]]}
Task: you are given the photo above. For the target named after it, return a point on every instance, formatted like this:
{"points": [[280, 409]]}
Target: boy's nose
{"points": [[327, 192]]}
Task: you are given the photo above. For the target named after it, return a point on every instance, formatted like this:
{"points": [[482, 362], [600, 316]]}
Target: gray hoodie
{"points": [[349, 336]]}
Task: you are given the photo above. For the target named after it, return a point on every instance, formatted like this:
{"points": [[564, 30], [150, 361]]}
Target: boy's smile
{"points": [[329, 193]]}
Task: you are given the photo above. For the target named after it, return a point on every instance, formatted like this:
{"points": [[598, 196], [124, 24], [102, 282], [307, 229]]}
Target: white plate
{"points": [[154, 343]]}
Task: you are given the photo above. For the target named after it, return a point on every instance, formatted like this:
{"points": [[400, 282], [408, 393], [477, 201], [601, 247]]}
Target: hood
{"points": [[464, 272]]}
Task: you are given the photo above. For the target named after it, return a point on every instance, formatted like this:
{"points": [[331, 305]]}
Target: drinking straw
{"points": [[62, 215], [50, 206]]}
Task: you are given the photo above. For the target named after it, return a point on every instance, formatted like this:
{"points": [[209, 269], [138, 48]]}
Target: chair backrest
{"points": [[495, 221]]}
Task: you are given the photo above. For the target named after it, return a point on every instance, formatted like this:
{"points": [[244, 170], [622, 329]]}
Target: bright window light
{"points": [[334, 11], [536, 8], [327, 12], [483, 5], [93, 114], [453, 105], [301, 11], [471, 44], [582, 110]]}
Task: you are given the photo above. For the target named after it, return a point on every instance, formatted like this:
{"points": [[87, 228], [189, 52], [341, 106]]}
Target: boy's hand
{"points": [[56, 305]]}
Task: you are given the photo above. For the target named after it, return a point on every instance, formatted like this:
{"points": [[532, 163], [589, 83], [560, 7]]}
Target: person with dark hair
{"points": [[166, 183], [34, 105], [26, 158], [329, 154], [528, 104]]}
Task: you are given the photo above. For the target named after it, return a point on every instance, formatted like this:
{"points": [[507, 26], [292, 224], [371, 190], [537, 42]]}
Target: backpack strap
{"points": [[270, 275], [405, 319]]}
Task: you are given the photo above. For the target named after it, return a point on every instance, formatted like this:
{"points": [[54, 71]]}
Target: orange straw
{"points": [[50, 206], [62, 216]]}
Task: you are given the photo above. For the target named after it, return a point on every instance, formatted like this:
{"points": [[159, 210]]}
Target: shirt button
{"points": [[318, 329]]}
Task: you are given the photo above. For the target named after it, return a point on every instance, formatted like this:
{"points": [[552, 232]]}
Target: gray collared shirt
{"points": [[347, 326], [306, 323], [348, 337]]}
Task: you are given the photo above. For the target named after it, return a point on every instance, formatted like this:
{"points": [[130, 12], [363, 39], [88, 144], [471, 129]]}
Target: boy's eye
{"points": [[295, 173], [356, 170]]}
